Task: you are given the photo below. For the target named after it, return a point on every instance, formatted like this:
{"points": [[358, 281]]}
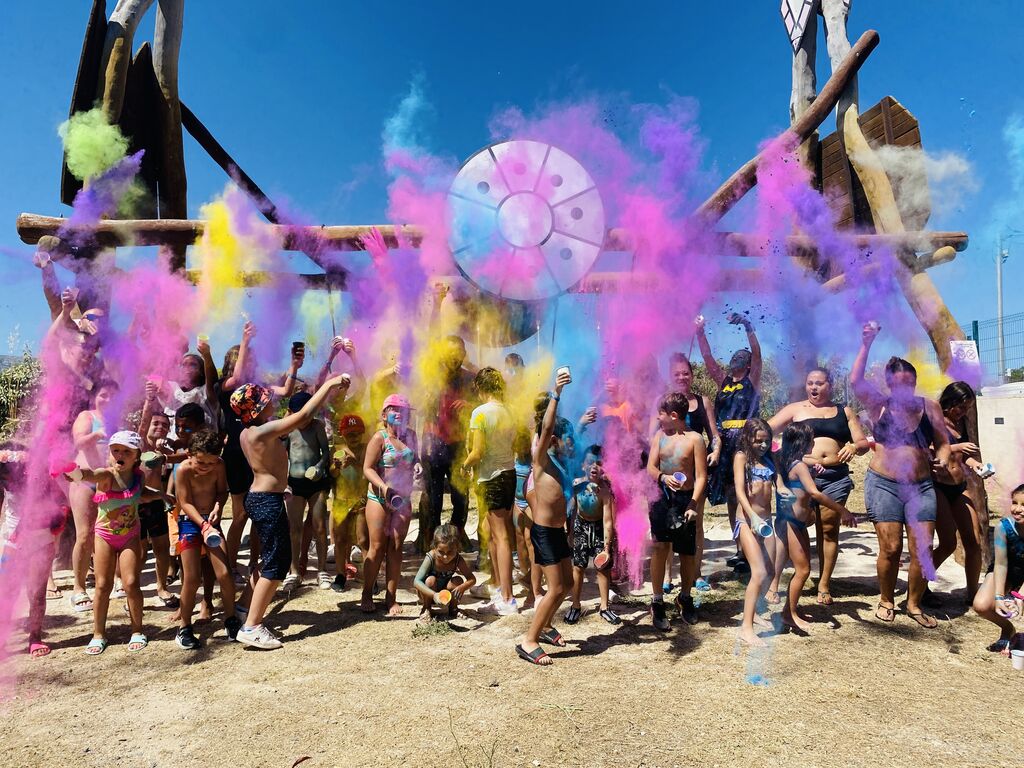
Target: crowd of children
{"points": [[331, 473]]}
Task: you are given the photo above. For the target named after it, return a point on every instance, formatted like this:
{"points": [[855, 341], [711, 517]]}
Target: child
{"points": [[993, 601], [201, 488], [28, 542], [754, 477], [675, 452], [795, 512], [522, 520], [119, 491], [348, 508], [545, 492], [443, 569], [261, 442], [309, 455], [593, 527], [390, 466], [198, 374], [153, 514]]}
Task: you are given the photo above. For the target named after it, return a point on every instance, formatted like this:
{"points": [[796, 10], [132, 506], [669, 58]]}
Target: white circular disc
{"points": [[526, 220]]}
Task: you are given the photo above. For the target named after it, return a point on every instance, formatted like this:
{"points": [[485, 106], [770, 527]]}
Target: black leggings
{"points": [[439, 468]]}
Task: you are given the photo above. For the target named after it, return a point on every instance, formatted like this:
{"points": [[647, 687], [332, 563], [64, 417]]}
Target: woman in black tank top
{"points": [[838, 437]]}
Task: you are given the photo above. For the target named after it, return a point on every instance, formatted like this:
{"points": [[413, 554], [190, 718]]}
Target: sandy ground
{"points": [[356, 691]]}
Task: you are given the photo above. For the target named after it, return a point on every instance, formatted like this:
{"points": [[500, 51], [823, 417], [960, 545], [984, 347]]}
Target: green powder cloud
{"points": [[91, 144]]}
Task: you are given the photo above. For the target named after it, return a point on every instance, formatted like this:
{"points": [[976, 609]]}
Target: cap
{"points": [[126, 439], [249, 401], [351, 424], [298, 401], [395, 401]]}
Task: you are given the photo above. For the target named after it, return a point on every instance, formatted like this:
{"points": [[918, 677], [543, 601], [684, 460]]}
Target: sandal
{"points": [[53, 594], [824, 598], [610, 616], [170, 602], [536, 656], [81, 602], [37, 649], [552, 637], [96, 646], [772, 597], [573, 614], [137, 642], [923, 619], [1001, 646], [888, 619]]}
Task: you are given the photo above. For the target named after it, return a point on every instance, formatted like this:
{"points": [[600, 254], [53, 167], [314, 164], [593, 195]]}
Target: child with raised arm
{"points": [[444, 576], [201, 488], [266, 453], [794, 512], [678, 463], [994, 600], [755, 479], [546, 492], [593, 531], [119, 491]]}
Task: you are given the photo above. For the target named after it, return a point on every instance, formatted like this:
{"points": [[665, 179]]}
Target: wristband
{"points": [[1000, 597], [555, 397]]}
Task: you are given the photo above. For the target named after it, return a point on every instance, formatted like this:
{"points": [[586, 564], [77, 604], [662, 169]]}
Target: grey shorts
{"points": [[837, 485], [889, 501]]}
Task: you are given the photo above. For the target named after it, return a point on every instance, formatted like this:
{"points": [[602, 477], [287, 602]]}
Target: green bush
{"points": [[17, 383]]}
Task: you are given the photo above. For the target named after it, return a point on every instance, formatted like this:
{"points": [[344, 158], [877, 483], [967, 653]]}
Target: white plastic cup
{"points": [[761, 527], [564, 369], [1017, 659], [874, 326], [679, 477], [212, 538]]}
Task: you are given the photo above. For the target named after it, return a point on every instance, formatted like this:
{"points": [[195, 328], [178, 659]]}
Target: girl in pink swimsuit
{"points": [[119, 491]]}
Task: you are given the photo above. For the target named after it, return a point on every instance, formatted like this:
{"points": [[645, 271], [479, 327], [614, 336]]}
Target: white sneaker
{"points": [[506, 607], [258, 637], [291, 582], [480, 590], [324, 579], [355, 556]]}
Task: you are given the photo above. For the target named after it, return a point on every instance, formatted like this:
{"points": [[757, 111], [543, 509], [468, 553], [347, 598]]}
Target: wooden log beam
{"points": [[737, 185], [113, 233]]}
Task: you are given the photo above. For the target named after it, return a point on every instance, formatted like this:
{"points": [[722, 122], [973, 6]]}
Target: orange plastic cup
{"points": [[602, 560], [443, 597]]}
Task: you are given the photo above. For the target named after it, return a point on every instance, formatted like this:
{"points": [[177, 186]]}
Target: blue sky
{"points": [[300, 98]]}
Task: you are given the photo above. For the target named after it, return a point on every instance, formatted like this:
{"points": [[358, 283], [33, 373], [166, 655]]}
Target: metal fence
{"points": [[986, 334]]}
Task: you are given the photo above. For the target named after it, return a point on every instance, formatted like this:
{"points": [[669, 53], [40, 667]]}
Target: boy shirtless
{"points": [[201, 489], [268, 457], [678, 463], [546, 496]]}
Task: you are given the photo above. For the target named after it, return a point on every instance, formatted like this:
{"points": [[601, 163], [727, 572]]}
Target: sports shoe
{"points": [[356, 555], [231, 626], [291, 582], [323, 579], [667, 587], [186, 639], [507, 607], [338, 585], [258, 637], [702, 584], [658, 615], [687, 609], [480, 590], [733, 560]]}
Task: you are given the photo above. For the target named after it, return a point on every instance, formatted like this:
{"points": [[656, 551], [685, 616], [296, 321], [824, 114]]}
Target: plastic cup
{"points": [[312, 473], [564, 369], [1017, 659], [443, 597], [601, 561], [298, 347], [150, 459], [874, 326], [202, 338], [679, 477]]}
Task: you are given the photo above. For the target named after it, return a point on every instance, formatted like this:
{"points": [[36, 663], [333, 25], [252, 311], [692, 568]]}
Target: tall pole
{"points": [[1000, 258]]}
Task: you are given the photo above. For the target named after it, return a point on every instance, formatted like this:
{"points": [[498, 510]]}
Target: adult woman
{"points": [[390, 465], [838, 437], [737, 400], [898, 490], [491, 434], [956, 512]]}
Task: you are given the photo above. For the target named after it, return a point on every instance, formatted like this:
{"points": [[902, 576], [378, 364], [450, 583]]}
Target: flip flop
{"points": [[922, 619], [534, 657], [96, 646], [552, 637], [54, 594], [81, 602], [573, 614], [37, 649], [892, 613], [610, 616], [138, 640], [824, 598], [1001, 646]]}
